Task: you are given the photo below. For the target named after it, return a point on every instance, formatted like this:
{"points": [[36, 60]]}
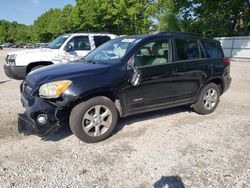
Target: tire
{"points": [[85, 121], [208, 99], [36, 67]]}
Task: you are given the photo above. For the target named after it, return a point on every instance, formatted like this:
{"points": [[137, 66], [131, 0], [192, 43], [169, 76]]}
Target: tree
{"points": [[167, 15], [116, 16], [14, 32], [47, 26], [66, 20], [216, 18]]}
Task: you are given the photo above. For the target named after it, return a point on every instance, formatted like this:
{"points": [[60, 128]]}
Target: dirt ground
{"points": [[168, 148]]}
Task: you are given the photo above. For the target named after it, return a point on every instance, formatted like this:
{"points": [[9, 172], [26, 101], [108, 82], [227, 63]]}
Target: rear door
{"points": [[215, 56], [197, 69]]}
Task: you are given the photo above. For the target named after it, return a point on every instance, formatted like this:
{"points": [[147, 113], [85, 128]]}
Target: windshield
{"points": [[112, 51], [57, 43]]}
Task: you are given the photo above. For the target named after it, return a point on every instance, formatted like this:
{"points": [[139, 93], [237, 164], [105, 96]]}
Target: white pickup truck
{"points": [[64, 49]]}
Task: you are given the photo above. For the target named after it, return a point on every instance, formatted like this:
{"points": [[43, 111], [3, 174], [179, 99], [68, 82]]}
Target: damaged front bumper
{"points": [[41, 117]]}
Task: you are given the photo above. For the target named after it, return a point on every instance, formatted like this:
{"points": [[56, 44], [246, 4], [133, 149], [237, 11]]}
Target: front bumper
{"points": [[28, 123], [15, 72]]}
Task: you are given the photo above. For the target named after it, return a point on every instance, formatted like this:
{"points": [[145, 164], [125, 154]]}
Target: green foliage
{"points": [[14, 32], [216, 18], [47, 26], [167, 16], [115, 16]]}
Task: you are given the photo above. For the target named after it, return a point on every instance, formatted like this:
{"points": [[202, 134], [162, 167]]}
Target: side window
{"points": [[202, 53], [99, 40], [187, 49], [79, 43], [212, 50], [153, 53]]}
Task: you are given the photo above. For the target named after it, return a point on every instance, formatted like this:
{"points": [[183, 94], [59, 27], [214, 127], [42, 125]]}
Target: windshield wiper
{"points": [[83, 60], [90, 61]]}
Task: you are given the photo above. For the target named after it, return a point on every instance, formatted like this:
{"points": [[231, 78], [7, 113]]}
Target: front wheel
{"points": [[93, 120], [208, 99]]}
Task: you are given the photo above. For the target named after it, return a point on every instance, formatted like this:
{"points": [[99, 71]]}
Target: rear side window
{"points": [[187, 49], [99, 40], [212, 49]]}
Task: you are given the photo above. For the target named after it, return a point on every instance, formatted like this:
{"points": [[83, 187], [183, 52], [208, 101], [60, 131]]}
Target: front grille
{"points": [[26, 89], [28, 92]]}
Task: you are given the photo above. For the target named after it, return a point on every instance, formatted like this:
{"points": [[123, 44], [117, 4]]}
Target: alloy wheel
{"points": [[210, 99], [97, 120]]}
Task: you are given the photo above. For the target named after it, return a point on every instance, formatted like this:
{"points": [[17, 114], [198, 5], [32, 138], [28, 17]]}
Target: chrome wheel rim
{"points": [[97, 120], [210, 99]]}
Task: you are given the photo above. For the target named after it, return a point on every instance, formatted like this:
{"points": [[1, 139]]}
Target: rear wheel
{"points": [[208, 99], [93, 120]]}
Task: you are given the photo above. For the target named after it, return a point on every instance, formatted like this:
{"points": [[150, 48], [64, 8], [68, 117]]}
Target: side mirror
{"points": [[136, 77], [68, 47], [131, 63]]}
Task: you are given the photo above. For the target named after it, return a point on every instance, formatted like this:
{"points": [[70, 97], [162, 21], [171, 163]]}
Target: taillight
{"points": [[227, 60]]}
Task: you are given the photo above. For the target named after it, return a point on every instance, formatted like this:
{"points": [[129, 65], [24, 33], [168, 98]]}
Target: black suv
{"points": [[125, 76]]}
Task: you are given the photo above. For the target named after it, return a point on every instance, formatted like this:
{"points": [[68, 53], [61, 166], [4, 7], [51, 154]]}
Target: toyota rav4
{"points": [[125, 76]]}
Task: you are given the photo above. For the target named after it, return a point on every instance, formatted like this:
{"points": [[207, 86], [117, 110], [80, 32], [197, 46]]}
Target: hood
{"points": [[25, 57], [64, 72], [31, 51]]}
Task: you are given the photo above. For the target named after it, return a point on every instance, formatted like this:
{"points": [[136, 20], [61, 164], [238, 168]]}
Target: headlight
{"points": [[12, 57], [53, 89], [11, 60]]}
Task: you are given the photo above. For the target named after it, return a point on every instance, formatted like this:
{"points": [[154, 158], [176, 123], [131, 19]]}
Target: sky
{"points": [[27, 11]]}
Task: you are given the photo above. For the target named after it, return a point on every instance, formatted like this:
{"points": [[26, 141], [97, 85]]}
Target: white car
{"points": [[64, 49]]}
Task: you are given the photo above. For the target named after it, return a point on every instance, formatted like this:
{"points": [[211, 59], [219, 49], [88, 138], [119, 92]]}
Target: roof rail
{"points": [[184, 33], [85, 32], [93, 32]]}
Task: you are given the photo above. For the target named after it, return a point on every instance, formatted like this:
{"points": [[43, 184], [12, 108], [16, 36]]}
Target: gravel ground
{"points": [[167, 148]]}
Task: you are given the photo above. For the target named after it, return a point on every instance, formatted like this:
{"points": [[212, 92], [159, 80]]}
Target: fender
{"points": [[37, 63], [217, 80], [107, 92]]}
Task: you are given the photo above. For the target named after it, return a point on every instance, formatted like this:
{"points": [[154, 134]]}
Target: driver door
{"points": [[77, 48], [159, 77]]}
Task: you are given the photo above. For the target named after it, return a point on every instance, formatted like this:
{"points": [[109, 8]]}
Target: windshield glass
{"points": [[112, 51], [57, 43]]}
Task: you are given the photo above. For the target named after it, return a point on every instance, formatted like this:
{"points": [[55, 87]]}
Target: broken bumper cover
{"points": [[28, 122], [28, 126]]}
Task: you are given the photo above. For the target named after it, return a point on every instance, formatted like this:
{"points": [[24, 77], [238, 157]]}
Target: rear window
{"points": [[187, 49], [99, 40], [212, 49]]}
